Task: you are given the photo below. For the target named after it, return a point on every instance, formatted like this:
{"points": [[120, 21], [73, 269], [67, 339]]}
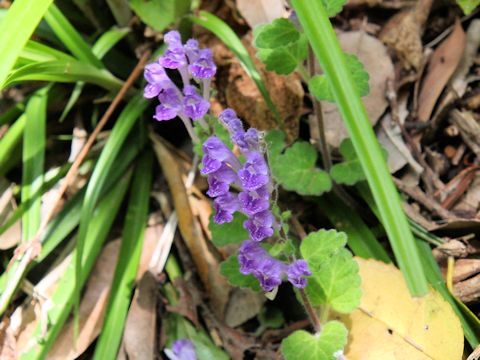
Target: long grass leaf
{"points": [[319, 30], [16, 28], [9, 142], [33, 158], [64, 71], [228, 36], [100, 222], [70, 37], [128, 260]]}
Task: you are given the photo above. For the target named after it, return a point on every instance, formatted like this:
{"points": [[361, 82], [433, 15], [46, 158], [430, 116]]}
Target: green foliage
{"points": [[229, 233], [158, 14], [177, 327], [320, 87], [468, 5], [231, 270], [333, 7], [349, 171], [295, 168], [280, 46], [303, 345], [335, 282]]}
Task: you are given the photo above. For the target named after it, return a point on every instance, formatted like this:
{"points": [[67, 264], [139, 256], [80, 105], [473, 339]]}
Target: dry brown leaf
{"points": [[390, 324], [464, 268], [257, 12], [12, 236], [378, 64], [92, 307], [140, 327], [442, 65]]}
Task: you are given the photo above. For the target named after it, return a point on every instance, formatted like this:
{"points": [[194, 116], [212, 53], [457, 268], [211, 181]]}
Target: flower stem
{"points": [[188, 125], [312, 314]]}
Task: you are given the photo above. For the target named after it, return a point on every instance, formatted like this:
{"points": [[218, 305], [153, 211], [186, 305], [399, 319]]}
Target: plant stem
{"points": [[319, 30], [312, 314]]}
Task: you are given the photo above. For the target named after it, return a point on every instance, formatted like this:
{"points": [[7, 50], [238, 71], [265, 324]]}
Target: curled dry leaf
{"points": [[243, 95], [373, 54], [257, 12], [468, 291], [390, 324], [464, 268], [441, 66]]}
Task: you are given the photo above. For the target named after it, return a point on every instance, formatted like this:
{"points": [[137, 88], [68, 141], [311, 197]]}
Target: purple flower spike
{"points": [[254, 173], [182, 349], [252, 203], [195, 106], [203, 67], [229, 118], [216, 153], [250, 254], [170, 105], [174, 57], [259, 225], [296, 273], [225, 206]]}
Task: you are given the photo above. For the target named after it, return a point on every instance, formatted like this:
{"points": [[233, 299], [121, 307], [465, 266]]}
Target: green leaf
{"points": [[231, 270], [350, 170], [333, 7], [336, 283], [319, 246], [229, 233], [177, 327], [319, 85], [279, 32], [159, 14], [295, 170], [16, 28], [468, 5], [284, 60], [303, 345]]}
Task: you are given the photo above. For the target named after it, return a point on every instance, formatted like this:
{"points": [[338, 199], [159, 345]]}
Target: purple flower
{"points": [[157, 80], [225, 206], [254, 174], [191, 49], [296, 273], [247, 141], [215, 153], [229, 118], [253, 202], [195, 106], [182, 349], [220, 180], [174, 57], [170, 105], [250, 254], [203, 66], [259, 225]]}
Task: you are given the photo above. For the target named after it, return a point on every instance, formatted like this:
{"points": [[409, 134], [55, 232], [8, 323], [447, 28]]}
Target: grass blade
{"points": [[319, 30], [228, 36], [70, 37], [33, 157], [100, 222], [9, 142], [128, 260], [16, 28], [64, 71], [36, 52]]}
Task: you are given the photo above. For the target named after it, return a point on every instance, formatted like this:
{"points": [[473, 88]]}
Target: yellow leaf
{"points": [[389, 324]]}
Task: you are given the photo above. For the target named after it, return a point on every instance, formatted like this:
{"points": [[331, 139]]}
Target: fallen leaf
{"points": [[140, 327], [257, 12], [92, 307], [373, 54], [390, 324], [13, 234], [441, 66]]}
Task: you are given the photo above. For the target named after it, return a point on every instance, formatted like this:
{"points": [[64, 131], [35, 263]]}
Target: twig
{"points": [[30, 249]]}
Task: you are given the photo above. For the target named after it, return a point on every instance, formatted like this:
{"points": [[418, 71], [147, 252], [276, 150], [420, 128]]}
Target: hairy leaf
{"points": [[280, 32], [349, 171], [319, 85], [158, 14], [333, 7], [229, 233], [323, 346], [231, 270], [468, 5], [319, 246]]}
